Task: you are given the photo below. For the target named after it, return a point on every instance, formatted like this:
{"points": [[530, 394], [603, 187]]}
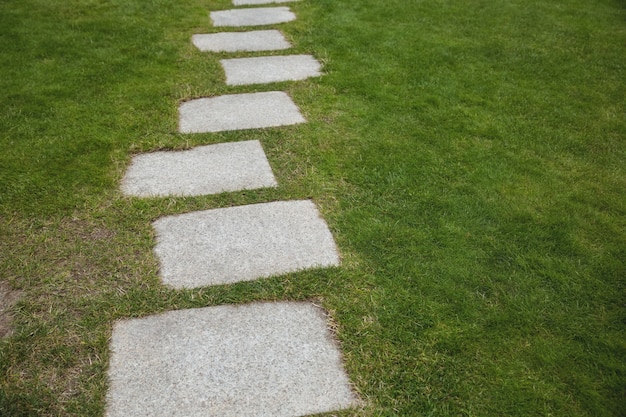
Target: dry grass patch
{"points": [[8, 298]]}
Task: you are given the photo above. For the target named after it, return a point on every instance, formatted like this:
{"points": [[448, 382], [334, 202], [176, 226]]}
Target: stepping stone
{"points": [[252, 17], [204, 170], [257, 40], [228, 245], [268, 69], [262, 359], [250, 2], [238, 111]]}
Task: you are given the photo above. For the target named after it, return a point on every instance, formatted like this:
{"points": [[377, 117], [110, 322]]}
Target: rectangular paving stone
{"points": [[238, 111], [251, 2], [268, 69], [204, 170], [262, 359], [252, 17], [256, 40], [243, 243]]}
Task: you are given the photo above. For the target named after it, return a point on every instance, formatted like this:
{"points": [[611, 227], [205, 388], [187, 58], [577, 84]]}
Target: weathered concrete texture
{"points": [[204, 170], [268, 69], [252, 17], [242, 243], [238, 111], [250, 2], [256, 40], [266, 359]]}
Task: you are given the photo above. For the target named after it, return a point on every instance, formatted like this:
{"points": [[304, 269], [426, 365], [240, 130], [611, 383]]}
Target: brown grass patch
{"points": [[8, 298]]}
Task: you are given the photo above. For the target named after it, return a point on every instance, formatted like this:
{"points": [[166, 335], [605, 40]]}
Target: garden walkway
{"points": [[259, 359]]}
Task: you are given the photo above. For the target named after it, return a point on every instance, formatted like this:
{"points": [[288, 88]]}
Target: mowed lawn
{"points": [[469, 157]]}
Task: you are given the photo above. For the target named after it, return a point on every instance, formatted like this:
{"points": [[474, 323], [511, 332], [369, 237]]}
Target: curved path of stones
{"points": [[260, 359]]}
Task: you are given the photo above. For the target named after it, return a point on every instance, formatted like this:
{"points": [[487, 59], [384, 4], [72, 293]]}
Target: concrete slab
{"points": [[238, 111], [252, 17], [265, 359], [251, 2], [204, 170], [268, 69], [256, 40], [228, 245]]}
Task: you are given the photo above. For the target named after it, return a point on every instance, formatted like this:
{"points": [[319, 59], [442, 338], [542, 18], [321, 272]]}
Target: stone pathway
{"points": [[252, 17], [238, 111], [242, 243], [204, 170], [257, 40], [261, 359], [253, 2], [269, 69]]}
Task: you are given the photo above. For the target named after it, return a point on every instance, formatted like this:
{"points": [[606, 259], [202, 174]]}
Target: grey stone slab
{"points": [[256, 40], [238, 111], [268, 69], [204, 170], [263, 359], [242, 243], [251, 2], [252, 17]]}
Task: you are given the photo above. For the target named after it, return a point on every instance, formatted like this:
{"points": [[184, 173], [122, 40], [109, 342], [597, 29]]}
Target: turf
{"points": [[469, 157]]}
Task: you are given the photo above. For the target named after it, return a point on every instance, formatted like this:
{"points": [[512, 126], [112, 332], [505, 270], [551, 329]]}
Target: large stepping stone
{"points": [[204, 170], [252, 17], [268, 69], [264, 359], [256, 40], [251, 2], [228, 245], [238, 111]]}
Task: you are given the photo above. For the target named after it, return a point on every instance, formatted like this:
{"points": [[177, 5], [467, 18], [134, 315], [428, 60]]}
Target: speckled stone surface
{"points": [[242, 243], [262, 359], [256, 40], [203, 170], [238, 111], [268, 69], [256, 16], [251, 2]]}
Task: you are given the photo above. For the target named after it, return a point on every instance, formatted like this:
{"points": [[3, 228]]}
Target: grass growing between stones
{"points": [[469, 157]]}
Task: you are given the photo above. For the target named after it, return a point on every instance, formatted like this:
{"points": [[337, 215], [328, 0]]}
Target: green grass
{"points": [[468, 155]]}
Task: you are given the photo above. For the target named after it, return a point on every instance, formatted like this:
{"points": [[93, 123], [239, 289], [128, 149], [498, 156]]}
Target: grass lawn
{"points": [[468, 155]]}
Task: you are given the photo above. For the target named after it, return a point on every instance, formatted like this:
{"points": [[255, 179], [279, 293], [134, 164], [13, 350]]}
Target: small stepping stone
{"points": [[250, 2], [238, 111], [268, 69], [204, 170], [256, 40], [252, 17], [228, 245], [262, 359]]}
